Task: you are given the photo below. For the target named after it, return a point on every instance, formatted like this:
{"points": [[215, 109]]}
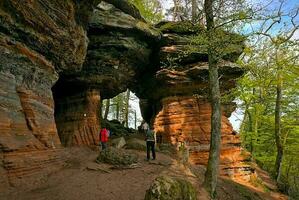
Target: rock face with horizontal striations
{"points": [[59, 59], [38, 41], [186, 120]]}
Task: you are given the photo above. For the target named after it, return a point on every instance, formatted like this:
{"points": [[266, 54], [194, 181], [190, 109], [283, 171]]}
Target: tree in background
{"points": [[269, 93], [186, 10], [120, 108], [151, 10]]}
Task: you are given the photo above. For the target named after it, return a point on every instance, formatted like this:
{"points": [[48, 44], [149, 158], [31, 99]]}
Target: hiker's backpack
{"points": [[150, 135]]}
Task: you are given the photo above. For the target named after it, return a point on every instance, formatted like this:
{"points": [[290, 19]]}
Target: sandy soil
{"points": [[82, 178], [76, 181]]}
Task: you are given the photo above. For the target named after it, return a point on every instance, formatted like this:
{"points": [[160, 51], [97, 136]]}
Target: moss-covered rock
{"points": [[168, 188], [117, 157], [136, 144], [117, 129]]}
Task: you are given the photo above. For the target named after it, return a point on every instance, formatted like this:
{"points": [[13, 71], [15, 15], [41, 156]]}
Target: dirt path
{"points": [[75, 181], [82, 178]]}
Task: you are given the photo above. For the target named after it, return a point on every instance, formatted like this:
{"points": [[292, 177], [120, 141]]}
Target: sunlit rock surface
{"points": [[175, 96], [58, 59], [38, 41], [186, 120]]}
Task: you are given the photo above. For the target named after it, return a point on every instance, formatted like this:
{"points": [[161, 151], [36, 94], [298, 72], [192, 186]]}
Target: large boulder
{"points": [[169, 188], [135, 143], [118, 142], [117, 157]]}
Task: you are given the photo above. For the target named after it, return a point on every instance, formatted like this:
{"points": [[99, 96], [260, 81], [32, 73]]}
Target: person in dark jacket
{"points": [[150, 143]]}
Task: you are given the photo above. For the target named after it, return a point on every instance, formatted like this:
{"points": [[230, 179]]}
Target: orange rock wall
{"points": [[28, 135], [38, 40], [77, 118], [187, 120]]}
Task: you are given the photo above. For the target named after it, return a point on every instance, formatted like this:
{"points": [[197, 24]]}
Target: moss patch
{"points": [[117, 157], [168, 188]]}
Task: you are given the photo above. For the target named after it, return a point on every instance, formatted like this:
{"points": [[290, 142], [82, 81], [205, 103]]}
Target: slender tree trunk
{"points": [[278, 141], [242, 127], [194, 10], [118, 107], [212, 172], [107, 106], [127, 108], [175, 9], [135, 114], [255, 130], [250, 130]]}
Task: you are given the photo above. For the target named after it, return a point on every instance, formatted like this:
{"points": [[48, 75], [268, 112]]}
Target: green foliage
{"points": [[117, 110], [151, 10], [183, 27], [257, 91]]}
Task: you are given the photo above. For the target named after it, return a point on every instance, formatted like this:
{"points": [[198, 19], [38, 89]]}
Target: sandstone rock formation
{"points": [[186, 121], [176, 96], [58, 59], [119, 50], [38, 40]]}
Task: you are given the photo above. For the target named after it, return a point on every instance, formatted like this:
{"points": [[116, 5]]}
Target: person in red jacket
{"points": [[103, 137]]}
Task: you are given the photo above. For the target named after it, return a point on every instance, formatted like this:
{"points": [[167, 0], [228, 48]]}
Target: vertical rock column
{"points": [[77, 117], [187, 120], [29, 143]]}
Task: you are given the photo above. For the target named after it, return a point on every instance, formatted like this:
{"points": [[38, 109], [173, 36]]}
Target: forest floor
{"points": [[83, 178]]}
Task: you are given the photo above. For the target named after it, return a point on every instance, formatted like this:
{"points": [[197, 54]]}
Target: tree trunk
{"points": [[194, 10], [212, 172], [255, 130], [135, 120], [278, 141], [175, 9], [118, 107], [107, 106], [127, 108]]}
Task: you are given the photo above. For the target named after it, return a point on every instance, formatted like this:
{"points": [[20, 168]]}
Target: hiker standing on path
{"points": [[103, 137], [150, 143]]}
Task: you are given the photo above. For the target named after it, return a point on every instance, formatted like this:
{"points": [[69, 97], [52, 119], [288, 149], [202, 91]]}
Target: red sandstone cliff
{"points": [[53, 74], [38, 40], [187, 120]]}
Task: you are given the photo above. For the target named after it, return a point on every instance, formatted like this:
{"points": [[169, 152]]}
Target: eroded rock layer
{"points": [[119, 50], [177, 102], [38, 40], [186, 120], [77, 118]]}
